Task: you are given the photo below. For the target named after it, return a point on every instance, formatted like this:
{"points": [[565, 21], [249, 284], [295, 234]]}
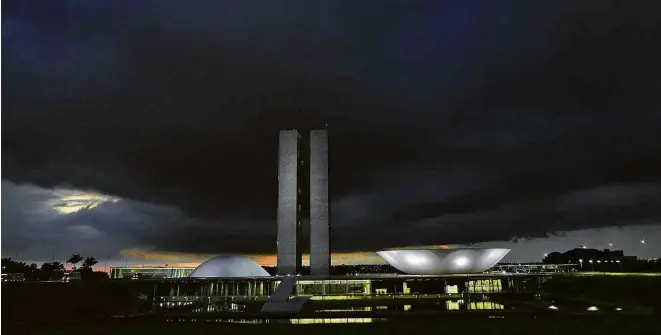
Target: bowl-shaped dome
{"points": [[443, 261], [228, 266]]}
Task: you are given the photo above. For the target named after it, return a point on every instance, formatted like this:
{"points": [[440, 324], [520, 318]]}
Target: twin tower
{"points": [[294, 192]]}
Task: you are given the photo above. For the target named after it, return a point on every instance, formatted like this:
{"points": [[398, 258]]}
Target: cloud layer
{"points": [[37, 228]]}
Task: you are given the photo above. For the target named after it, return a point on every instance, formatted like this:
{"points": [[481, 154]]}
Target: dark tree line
{"points": [[50, 270], [88, 262]]}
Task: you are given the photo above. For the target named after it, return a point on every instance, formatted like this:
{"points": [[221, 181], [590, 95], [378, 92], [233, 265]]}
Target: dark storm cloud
{"points": [[33, 230], [33, 227], [612, 205], [443, 115]]}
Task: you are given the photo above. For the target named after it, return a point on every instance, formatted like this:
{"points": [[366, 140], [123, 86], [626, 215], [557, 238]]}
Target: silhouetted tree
{"points": [[75, 259], [11, 266], [6, 264], [89, 275], [52, 271], [554, 258], [31, 271], [89, 262]]}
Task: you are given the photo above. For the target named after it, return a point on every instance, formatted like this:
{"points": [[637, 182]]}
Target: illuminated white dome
{"points": [[441, 261], [228, 266]]}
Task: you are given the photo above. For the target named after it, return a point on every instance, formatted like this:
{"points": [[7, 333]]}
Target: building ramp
{"points": [[280, 302]]}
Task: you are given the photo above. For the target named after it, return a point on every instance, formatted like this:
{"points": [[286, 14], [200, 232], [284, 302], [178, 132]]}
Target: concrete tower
{"points": [[319, 205], [289, 204]]}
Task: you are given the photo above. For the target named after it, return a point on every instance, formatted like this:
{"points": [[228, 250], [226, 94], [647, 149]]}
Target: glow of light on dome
{"points": [[416, 259], [71, 203], [461, 261]]}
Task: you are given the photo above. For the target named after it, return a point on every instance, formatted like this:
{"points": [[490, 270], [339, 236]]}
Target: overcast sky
{"points": [[450, 122]]}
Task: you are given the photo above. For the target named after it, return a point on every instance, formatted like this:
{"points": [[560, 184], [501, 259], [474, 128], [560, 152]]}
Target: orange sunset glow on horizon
{"points": [[148, 258]]}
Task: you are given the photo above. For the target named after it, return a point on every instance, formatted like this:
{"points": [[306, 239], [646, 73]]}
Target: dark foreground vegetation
{"points": [[629, 290], [481, 326], [74, 301]]}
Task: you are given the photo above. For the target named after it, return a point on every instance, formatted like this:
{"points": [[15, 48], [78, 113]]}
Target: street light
{"points": [[620, 264], [55, 252], [591, 263], [581, 261], [642, 241], [610, 245]]}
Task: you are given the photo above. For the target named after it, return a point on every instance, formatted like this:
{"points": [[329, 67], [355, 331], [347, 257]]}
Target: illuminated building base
{"points": [[458, 290]]}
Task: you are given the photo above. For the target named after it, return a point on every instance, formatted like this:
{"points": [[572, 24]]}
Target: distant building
{"points": [[149, 272], [574, 255], [13, 277], [594, 259], [72, 275]]}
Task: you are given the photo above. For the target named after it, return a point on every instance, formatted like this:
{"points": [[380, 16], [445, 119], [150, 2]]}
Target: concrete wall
{"points": [[288, 220], [319, 205]]}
